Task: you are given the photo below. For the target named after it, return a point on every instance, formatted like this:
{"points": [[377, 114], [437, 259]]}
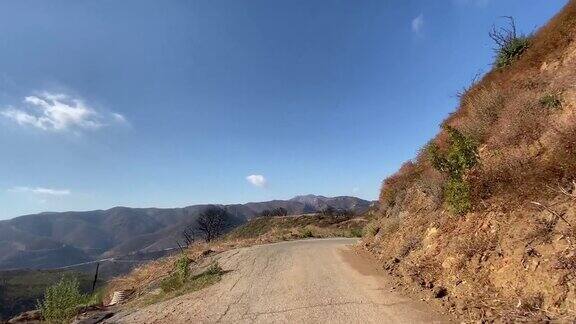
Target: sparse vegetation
{"points": [[551, 101], [356, 232], [483, 105], [337, 213], [515, 121], [371, 229], [257, 231], [275, 212], [20, 290], [509, 45], [409, 245], [307, 233], [62, 300], [178, 276], [214, 269], [292, 227], [180, 282]]}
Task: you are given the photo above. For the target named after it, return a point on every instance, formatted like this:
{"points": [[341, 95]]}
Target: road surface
{"points": [[310, 281]]}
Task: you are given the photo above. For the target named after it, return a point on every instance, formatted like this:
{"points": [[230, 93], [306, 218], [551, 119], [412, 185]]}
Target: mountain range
{"points": [[52, 240]]}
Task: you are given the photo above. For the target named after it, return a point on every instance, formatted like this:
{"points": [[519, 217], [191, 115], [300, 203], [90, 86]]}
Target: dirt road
{"points": [[311, 281]]}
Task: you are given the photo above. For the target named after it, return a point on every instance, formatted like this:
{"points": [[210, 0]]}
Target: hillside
{"points": [[486, 213], [51, 240]]}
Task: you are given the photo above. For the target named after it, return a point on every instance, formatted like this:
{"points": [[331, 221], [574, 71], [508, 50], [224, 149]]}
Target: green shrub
{"points": [[178, 276], [509, 45], [371, 229], [511, 51], [457, 196], [174, 285], [307, 233], [214, 269], [356, 232], [550, 101], [171, 283], [62, 300], [97, 298], [460, 157], [182, 267]]}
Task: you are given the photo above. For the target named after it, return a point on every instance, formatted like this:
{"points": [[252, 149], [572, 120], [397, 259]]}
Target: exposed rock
{"points": [[33, 316]]}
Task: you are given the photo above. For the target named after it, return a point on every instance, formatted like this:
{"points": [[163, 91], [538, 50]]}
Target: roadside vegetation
{"points": [[328, 223], [196, 266], [63, 300], [20, 290], [461, 156], [486, 212], [180, 281]]}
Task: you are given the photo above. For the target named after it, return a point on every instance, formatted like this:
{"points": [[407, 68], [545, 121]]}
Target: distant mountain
{"points": [[50, 240]]}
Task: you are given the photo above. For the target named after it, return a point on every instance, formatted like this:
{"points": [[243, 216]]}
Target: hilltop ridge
{"points": [[50, 240]]}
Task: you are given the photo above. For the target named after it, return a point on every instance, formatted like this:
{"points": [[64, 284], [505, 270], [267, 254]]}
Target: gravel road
{"points": [[310, 281]]}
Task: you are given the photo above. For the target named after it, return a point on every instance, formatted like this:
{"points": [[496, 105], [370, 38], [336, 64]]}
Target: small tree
{"points": [[212, 223], [344, 213], [460, 157], [328, 211], [266, 213], [279, 211]]}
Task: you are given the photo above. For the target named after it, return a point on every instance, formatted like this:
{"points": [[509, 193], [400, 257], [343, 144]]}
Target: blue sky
{"points": [[172, 103]]}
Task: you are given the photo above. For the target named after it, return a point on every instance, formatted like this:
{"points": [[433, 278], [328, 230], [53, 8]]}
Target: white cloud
{"points": [[58, 112], [41, 191], [478, 3], [418, 23], [257, 180], [119, 118]]}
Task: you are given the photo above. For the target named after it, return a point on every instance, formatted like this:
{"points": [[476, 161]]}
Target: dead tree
{"points": [[502, 36], [189, 234], [212, 223]]}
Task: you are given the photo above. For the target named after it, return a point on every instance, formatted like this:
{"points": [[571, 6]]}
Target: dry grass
{"points": [[483, 105], [524, 117]]}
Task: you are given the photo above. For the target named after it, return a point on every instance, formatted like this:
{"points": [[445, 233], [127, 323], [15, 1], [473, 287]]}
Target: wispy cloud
{"points": [[257, 180], [59, 112], [477, 3], [417, 23], [41, 191]]}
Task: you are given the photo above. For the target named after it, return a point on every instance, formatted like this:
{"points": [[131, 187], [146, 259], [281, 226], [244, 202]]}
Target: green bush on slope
{"points": [[510, 45], [62, 300], [460, 157]]}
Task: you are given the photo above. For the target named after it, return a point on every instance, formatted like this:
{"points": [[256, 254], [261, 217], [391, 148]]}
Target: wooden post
{"points": [[180, 246], [95, 277]]}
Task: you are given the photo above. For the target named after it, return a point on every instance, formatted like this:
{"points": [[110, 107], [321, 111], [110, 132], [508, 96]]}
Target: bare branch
{"points": [[212, 223], [555, 214]]}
